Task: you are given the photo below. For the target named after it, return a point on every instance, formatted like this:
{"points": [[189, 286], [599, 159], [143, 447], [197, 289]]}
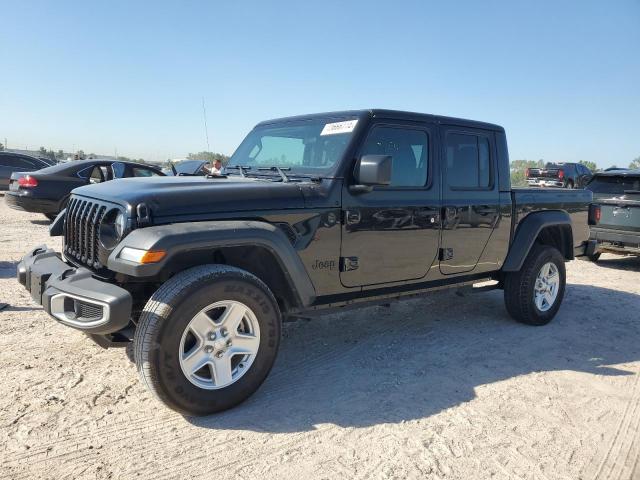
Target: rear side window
{"points": [[468, 161], [16, 162], [143, 172], [409, 150]]}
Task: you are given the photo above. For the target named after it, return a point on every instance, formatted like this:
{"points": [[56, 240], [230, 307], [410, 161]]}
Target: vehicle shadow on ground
{"points": [[415, 359], [41, 222], [8, 269], [10, 308], [629, 262]]}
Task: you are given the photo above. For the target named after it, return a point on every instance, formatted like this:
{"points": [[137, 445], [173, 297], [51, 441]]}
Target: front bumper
{"points": [[72, 296], [616, 241]]}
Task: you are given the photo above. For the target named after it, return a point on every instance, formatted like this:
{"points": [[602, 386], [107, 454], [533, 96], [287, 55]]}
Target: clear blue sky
{"points": [[563, 77]]}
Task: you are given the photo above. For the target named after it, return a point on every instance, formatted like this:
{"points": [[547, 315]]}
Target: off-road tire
{"points": [[519, 287], [166, 315]]}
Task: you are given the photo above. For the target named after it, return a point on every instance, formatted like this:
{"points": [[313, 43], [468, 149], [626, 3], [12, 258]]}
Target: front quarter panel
{"points": [[204, 238]]}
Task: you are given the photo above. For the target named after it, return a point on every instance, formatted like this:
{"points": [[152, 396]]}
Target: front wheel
{"points": [[534, 294], [207, 339]]}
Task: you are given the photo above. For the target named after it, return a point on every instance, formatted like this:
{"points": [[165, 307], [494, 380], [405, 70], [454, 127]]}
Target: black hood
{"points": [[176, 196]]}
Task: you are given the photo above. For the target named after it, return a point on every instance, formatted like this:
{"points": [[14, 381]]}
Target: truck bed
{"points": [[575, 202]]}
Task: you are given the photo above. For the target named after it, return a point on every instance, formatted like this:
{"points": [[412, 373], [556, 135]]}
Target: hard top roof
{"points": [[390, 114]]}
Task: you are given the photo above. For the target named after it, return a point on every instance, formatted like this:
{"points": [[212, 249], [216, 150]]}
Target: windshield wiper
{"points": [[240, 168], [280, 171]]}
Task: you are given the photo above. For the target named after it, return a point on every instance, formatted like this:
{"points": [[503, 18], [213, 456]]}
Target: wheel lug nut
{"points": [[220, 354], [208, 349], [228, 343], [212, 336], [224, 332]]}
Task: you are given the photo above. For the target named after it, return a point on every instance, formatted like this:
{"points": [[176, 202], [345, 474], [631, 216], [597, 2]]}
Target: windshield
{"points": [[307, 147], [614, 185], [188, 166]]}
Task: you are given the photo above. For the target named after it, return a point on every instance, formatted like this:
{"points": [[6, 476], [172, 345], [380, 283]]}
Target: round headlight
{"points": [[112, 228], [120, 225]]}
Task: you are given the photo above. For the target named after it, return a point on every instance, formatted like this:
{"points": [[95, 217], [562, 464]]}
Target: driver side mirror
{"points": [[372, 170]]}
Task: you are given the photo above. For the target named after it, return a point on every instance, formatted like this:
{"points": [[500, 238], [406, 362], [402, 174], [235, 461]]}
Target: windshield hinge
{"points": [[143, 215]]}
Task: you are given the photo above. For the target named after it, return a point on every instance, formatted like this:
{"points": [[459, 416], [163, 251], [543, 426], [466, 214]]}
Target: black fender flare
{"points": [[527, 232], [178, 238]]}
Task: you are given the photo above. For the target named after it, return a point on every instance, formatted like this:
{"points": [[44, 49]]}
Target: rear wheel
{"points": [[534, 294], [207, 339], [569, 184]]}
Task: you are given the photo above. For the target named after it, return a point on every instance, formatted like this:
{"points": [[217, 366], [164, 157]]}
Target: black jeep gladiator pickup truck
{"points": [[312, 213]]}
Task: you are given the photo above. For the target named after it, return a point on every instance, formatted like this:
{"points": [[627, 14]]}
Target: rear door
{"points": [[470, 197], [584, 175]]}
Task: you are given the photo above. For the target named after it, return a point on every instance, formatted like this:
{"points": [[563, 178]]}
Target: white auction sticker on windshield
{"points": [[339, 127]]}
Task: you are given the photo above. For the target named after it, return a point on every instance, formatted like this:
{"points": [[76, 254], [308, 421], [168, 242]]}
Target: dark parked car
{"points": [[562, 175], [47, 190], [18, 162], [315, 213], [617, 192]]}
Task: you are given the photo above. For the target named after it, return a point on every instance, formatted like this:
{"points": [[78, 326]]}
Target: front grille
{"points": [[81, 230], [88, 311]]}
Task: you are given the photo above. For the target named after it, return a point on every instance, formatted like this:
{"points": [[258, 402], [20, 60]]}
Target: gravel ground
{"points": [[441, 387]]}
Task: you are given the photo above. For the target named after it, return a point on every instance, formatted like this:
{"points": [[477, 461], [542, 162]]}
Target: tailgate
{"points": [[550, 173], [533, 172], [543, 173], [620, 214]]}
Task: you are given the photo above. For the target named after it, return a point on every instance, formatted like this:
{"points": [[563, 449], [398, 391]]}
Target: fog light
{"points": [[141, 256]]}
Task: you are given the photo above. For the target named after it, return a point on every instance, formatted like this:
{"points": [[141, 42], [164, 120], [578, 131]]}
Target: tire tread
{"points": [[517, 288], [159, 308]]}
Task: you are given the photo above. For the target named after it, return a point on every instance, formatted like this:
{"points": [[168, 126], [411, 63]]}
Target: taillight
{"points": [[560, 174], [594, 214], [526, 172], [27, 181]]}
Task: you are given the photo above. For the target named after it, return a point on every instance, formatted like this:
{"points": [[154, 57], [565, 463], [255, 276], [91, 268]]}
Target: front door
{"points": [[390, 234], [470, 197]]}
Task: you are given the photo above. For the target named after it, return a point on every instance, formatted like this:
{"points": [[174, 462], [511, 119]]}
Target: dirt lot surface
{"points": [[442, 387]]}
